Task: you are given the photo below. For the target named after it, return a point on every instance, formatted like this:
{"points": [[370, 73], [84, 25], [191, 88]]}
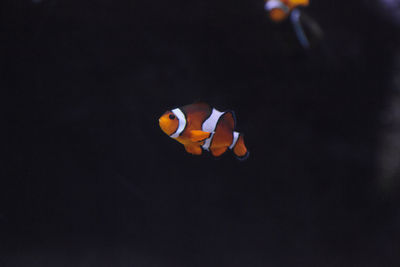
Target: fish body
{"points": [[279, 10], [201, 127]]}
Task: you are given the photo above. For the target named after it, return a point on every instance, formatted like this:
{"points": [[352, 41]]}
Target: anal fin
{"points": [[216, 152]]}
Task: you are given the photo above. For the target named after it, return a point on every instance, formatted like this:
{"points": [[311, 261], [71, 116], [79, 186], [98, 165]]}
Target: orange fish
{"points": [[280, 9], [199, 126]]}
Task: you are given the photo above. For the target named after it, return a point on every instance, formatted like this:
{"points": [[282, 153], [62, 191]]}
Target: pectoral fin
{"points": [[197, 135]]}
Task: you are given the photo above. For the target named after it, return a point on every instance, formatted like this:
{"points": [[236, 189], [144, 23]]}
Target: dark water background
{"points": [[90, 180]]}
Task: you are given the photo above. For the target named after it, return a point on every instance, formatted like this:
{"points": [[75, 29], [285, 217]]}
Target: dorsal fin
{"points": [[200, 102], [197, 106]]}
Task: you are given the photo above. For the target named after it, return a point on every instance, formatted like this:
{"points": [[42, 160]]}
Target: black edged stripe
{"points": [[184, 114], [237, 141], [209, 112], [216, 126]]}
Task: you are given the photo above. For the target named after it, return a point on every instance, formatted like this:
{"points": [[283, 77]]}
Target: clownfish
{"points": [[279, 10], [200, 127]]}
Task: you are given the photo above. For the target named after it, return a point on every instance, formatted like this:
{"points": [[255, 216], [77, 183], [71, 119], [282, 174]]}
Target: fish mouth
{"points": [[162, 122]]}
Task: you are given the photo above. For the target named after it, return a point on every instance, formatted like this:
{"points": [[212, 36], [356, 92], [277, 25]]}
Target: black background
{"points": [[90, 180]]}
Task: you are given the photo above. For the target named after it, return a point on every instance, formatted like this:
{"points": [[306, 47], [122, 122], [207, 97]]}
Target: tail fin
{"points": [[240, 149]]}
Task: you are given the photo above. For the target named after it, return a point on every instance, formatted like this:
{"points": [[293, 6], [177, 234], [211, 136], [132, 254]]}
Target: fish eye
{"points": [[172, 116]]}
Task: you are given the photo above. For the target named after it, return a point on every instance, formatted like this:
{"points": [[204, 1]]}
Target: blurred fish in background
{"points": [[388, 159], [388, 9], [307, 30], [389, 146]]}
